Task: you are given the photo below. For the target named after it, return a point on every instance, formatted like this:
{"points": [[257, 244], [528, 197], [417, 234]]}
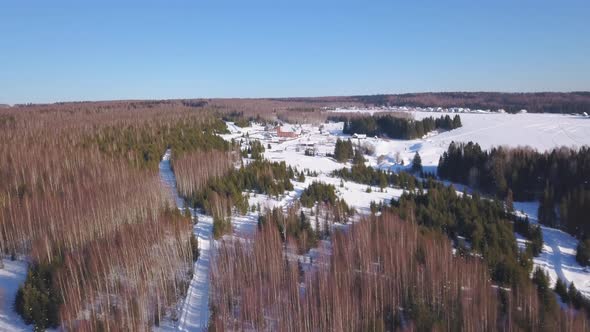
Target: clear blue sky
{"points": [[101, 50]]}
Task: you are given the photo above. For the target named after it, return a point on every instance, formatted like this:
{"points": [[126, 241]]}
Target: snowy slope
{"points": [[194, 315], [11, 277], [558, 257]]}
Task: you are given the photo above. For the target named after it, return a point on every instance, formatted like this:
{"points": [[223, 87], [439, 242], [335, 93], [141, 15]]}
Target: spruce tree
{"points": [[509, 201], [417, 163], [561, 290], [457, 122], [547, 215], [583, 252]]}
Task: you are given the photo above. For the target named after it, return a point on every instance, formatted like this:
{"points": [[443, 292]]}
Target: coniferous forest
{"points": [[398, 127], [558, 179]]}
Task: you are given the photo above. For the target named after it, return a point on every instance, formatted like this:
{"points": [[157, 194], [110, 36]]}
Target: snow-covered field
{"points": [[539, 131]]}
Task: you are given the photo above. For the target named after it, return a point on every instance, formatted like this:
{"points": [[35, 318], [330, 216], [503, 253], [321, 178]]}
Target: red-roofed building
{"points": [[286, 133]]}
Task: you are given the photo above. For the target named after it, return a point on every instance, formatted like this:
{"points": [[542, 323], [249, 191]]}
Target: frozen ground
{"points": [[12, 275], [194, 315]]}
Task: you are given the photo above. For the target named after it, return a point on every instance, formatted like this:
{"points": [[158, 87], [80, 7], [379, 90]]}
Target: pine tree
{"points": [[417, 163], [574, 296], [547, 215], [509, 201], [583, 252], [561, 290], [457, 121]]}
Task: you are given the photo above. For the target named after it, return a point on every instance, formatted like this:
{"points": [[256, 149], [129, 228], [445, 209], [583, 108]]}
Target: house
{"points": [[286, 133], [359, 136]]}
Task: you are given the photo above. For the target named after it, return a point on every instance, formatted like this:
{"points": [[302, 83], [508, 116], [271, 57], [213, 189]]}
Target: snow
{"points": [[194, 315], [12, 275], [489, 129], [195, 311], [558, 257], [539, 131]]}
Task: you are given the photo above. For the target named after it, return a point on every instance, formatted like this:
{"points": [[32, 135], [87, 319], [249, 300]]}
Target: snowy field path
{"points": [[195, 309]]}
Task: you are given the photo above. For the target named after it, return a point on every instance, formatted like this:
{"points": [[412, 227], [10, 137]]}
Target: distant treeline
{"points": [[397, 127], [549, 102], [559, 178]]}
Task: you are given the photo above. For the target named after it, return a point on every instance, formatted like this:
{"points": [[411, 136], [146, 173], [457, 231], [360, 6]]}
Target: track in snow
{"points": [[195, 309]]}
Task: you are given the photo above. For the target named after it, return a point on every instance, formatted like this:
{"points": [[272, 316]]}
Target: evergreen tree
{"points": [[547, 215], [583, 252], [417, 163], [575, 296], [343, 150], [358, 159], [509, 201], [561, 290], [457, 122]]}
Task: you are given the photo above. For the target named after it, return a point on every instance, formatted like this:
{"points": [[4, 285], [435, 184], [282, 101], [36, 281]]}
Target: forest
{"points": [[368, 175], [398, 127], [384, 273], [79, 185], [223, 193], [478, 224], [81, 200], [559, 179]]}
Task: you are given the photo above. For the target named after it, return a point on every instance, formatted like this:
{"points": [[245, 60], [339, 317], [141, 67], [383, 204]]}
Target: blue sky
{"points": [[103, 50]]}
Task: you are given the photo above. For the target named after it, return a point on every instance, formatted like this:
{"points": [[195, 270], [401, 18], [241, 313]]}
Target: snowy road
{"points": [[194, 315]]}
